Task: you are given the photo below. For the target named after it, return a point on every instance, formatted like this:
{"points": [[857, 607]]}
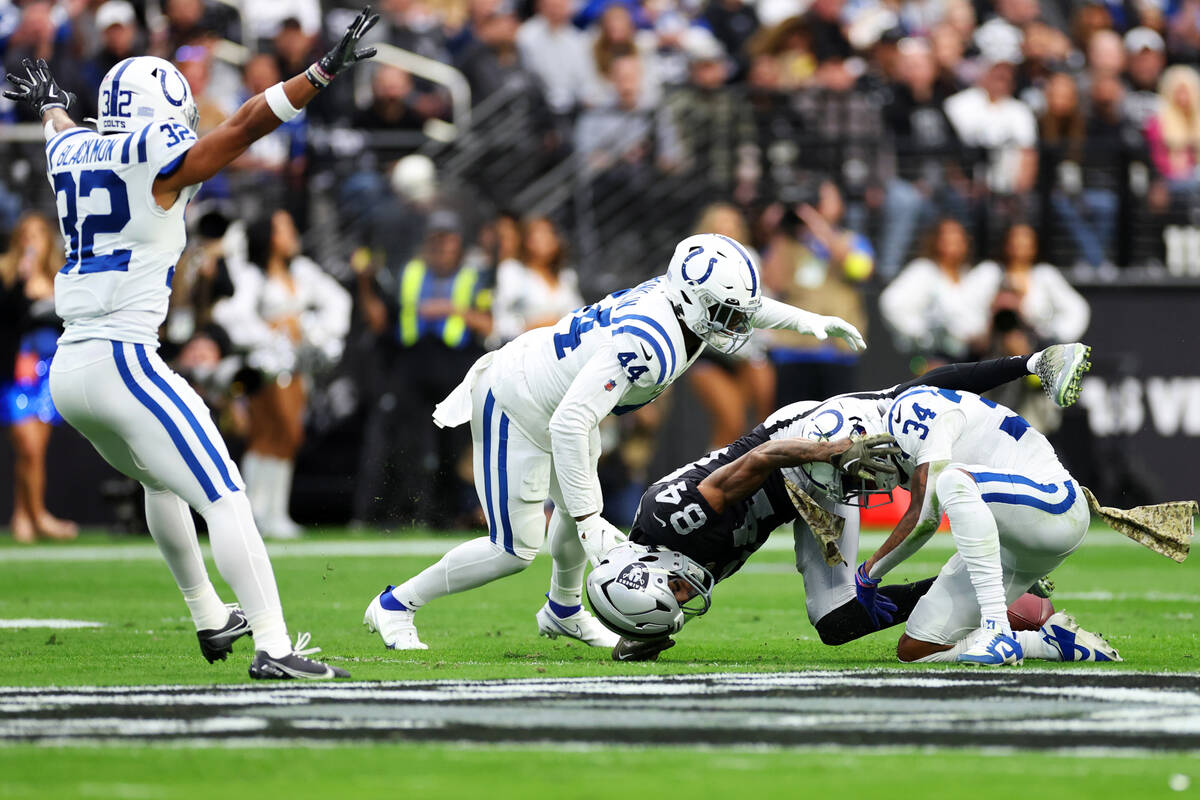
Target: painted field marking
{"points": [[49, 623]]}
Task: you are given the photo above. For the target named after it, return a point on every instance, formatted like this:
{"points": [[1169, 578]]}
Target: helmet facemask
{"points": [[726, 323]]}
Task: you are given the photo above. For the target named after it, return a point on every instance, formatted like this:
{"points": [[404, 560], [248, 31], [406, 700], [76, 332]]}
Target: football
{"points": [[1029, 612]]}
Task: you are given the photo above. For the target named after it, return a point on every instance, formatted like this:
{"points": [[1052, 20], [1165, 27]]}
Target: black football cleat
{"points": [[633, 650], [294, 665], [217, 643]]}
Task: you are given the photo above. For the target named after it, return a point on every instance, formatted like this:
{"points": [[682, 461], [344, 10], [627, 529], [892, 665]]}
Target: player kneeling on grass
{"points": [[715, 513], [1015, 514], [121, 192]]}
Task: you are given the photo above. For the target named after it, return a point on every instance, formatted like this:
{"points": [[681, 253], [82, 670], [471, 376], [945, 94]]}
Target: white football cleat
{"points": [[581, 625], [994, 650], [1073, 643], [398, 629], [1060, 368]]}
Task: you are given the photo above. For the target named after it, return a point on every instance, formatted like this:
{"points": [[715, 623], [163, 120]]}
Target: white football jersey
{"points": [[121, 246], [638, 327], [992, 435]]}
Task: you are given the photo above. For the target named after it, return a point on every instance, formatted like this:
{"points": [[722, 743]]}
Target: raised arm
{"points": [[48, 100], [263, 113]]}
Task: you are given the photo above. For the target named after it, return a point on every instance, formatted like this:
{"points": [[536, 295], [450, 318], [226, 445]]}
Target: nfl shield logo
{"points": [[608, 387]]}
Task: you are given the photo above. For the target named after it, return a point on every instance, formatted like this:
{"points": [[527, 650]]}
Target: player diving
{"points": [[121, 192], [534, 407], [698, 525]]}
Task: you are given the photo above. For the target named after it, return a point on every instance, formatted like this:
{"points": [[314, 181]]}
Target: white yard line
{"points": [[49, 623]]}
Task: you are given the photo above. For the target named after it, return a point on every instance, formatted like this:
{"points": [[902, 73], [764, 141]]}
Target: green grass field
{"points": [[1142, 602]]}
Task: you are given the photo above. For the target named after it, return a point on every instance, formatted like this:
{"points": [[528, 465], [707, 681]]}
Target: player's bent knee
{"points": [[956, 485]]}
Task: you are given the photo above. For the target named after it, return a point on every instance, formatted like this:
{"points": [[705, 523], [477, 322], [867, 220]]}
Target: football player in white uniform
{"points": [[535, 406], [719, 510], [121, 192], [1015, 514]]}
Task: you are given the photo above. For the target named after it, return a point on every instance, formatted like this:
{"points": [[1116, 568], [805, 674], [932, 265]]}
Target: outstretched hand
{"points": [[346, 53], [39, 90], [836, 326]]}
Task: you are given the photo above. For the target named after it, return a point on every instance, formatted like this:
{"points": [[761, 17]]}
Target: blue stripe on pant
{"points": [[1018, 498], [502, 469], [168, 424], [192, 422]]}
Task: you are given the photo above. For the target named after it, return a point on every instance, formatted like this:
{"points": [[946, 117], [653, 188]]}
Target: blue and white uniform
{"points": [[112, 294], [1040, 513]]}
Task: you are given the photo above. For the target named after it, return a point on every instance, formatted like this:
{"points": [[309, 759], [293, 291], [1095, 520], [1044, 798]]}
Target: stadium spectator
{"points": [[431, 331], [937, 306], [730, 387], [271, 172], [734, 23], [491, 61], [195, 62], [1146, 62], [393, 115], [42, 32], [556, 52], [1183, 32], [28, 340], [1174, 133], [190, 21], [294, 318], [716, 126], [117, 24], [930, 179], [411, 25], [616, 34], [263, 21], [813, 261], [1037, 292], [538, 288], [989, 118]]}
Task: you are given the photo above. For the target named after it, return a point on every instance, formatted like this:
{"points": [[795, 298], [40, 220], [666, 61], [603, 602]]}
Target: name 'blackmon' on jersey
{"points": [[121, 247]]}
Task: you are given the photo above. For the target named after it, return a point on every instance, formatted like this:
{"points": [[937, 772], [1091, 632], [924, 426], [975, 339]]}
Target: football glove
{"points": [[632, 650], [868, 457], [345, 54], [38, 91], [836, 326], [866, 589], [598, 536]]}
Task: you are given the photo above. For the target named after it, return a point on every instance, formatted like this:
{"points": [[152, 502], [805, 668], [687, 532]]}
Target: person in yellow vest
{"points": [[430, 319]]}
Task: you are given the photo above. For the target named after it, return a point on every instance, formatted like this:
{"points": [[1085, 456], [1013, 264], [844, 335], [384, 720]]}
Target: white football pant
{"points": [[1038, 523]]}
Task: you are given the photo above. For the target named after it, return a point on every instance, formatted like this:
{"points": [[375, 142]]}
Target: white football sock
{"points": [[1036, 647], [467, 566], [242, 560], [174, 531], [570, 560], [978, 541]]}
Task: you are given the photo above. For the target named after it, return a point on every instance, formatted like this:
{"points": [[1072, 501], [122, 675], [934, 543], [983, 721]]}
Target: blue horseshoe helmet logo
{"points": [[712, 262], [162, 79]]}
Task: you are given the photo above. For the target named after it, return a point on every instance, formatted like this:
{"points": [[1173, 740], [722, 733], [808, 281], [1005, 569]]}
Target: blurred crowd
{"points": [[958, 160]]}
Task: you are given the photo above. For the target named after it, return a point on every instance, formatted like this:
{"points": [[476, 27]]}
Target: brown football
{"points": [[1029, 612]]}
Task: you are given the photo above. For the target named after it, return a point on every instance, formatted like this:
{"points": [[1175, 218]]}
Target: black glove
{"points": [[344, 54], [868, 457], [39, 90], [632, 650]]}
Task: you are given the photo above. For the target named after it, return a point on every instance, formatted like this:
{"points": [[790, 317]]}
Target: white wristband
{"points": [[277, 99]]}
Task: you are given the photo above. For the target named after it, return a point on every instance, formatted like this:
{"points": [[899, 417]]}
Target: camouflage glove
{"points": [[345, 54], [868, 457]]}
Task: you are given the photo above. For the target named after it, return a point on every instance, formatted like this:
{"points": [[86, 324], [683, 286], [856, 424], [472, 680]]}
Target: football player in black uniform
{"points": [[710, 516]]}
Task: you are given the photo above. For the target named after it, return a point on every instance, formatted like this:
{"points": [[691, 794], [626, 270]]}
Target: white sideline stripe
{"points": [[422, 546], [49, 623]]}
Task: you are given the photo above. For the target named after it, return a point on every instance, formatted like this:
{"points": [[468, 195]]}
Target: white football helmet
{"points": [[839, 418], [139, 90], [633, 591], [715, 287]]}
